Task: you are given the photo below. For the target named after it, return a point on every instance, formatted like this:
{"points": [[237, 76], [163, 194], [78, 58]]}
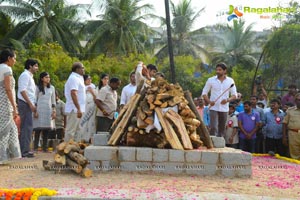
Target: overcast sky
{"points": [[213, 8]]}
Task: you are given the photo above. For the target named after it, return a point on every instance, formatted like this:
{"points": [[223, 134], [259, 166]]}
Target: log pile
{"points": [[69, 155], [135, 124]]}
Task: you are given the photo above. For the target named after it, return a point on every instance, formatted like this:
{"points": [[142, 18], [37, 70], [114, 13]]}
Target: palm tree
{"points": [[42, 21], [185, 41], [6, 25], [120, 29], [235, 43]]}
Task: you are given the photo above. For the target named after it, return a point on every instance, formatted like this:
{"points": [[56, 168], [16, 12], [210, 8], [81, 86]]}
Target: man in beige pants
{"points": [[75, 101], [291, 123]]}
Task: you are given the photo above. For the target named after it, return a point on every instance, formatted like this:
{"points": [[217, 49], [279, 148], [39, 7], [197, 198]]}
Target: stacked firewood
{"points": [[69, 155], [135, 124]]}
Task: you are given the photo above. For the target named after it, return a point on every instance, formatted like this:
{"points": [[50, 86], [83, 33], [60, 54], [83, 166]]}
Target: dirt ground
{"points": [[271, 177]]}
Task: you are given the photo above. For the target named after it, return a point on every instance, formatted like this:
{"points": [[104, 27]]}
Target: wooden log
{"points": [[130, 128], [117, 134], [73, 165], [60, 158], [146, 140], [72, 147], [121, 114], [201, 130], [192, 121], [141, 114], [86, 172], [152, 106], [168, 130], [141, 131], [195, 138], [177, 121], [78, 158], [164, 105], [60, 148], [191, 128], [140, 123], [157, 102], [176, 100], [162, 96], [149, 120], [150, 98]]}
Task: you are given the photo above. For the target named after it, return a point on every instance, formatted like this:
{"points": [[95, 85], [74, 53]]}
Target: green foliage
{"points": [[282, 52], [52, 59], [243, 80]]}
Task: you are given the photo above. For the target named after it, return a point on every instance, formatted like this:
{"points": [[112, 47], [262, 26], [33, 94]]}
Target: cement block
{"points": [[218, 142], [195, 169], [235, 170], [176, 155], [173, 167], [127, 154], [101, 153], [136, 166], [158, 167], [193, 156], [94, 165], [209, 157], [143, 154], [160, 155], [101, 139], [235, 158], [110, 165]]}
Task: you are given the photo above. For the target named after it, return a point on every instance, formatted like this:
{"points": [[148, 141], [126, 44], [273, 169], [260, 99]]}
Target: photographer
{"points": [[260, 92]]}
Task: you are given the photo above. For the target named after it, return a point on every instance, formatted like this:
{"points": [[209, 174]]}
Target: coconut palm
{"points": [[6, 25], [235, 44], [43, 21], [120, 29], [185, 41]]}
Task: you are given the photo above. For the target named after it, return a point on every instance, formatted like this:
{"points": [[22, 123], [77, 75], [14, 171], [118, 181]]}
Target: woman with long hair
{"points": [[104, 78], [46, 113], [9, 142]]}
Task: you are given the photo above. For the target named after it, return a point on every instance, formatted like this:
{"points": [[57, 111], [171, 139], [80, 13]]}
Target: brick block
{"points": [[160, 155], [176, 155], [136, 166], [173, 167], [101, 153], [236, 170], [235, 158], [100, 139], [218, 142], [143, 154], [193, 156], [127, 154], [209, 157]]}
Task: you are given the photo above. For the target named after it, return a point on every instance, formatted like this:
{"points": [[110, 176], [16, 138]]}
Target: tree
{"points": [[5, 24], [42, 21], [283, 54], [120, 29], [236, 42], [185, 41]]}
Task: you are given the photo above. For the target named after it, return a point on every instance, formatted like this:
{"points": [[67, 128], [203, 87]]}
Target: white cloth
{"points": [[26, 83], [75, 82], [127, 92], [156, 120], [216, 88]]}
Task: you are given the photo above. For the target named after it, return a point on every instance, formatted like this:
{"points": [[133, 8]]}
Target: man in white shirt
{"points": [[219, 87], [106, 101], [128, 91], [75, 101], [26, 105]]}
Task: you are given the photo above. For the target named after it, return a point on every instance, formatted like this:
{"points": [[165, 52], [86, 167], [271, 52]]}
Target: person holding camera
{"points": [[260, 92]]}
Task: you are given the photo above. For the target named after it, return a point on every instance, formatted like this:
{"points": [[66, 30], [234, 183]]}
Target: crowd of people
{"points": [[89, 109], [257, 125]]}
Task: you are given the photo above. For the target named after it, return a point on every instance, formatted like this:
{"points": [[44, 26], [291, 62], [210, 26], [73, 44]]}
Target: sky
{"points": [[216, 11]]}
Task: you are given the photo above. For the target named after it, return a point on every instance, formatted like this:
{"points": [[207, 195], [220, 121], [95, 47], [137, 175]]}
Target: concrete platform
{"points": [[226, 162]]}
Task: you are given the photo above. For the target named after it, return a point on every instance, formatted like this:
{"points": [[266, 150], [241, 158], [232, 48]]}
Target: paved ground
{"points": [[272, 179]]}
